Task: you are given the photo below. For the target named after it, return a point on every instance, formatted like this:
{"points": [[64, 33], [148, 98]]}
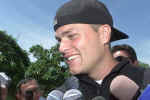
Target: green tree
{"points": [[142, 64], [49, 68], [13, 60]]}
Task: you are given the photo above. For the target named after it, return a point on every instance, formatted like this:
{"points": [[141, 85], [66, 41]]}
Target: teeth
{"points": [[72, 57]]}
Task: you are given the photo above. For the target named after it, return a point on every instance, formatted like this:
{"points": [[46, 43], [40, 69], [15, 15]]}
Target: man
{"points": [[84, 29], [28, 89], [126, 51]]}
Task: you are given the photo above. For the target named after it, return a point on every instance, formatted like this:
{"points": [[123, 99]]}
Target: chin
{"points": [[74, 72]]}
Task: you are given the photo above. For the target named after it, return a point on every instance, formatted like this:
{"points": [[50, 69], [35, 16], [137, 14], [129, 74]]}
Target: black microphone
{"points": [[124, 88], [73, 94], [98, 98], [55, 95]]}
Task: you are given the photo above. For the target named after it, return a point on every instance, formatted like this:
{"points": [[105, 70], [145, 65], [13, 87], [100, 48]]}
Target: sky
{"points": [[31, 22]]}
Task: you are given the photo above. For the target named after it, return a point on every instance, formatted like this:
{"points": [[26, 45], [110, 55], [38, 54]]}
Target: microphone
{"points": [[124, 88], [99, 98], [70, 83], [4, 80], [55, 95], [73, 94], [145, 94]]}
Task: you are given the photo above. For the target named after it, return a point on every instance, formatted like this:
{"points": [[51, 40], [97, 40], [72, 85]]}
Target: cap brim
{"points": [[118, 35]]}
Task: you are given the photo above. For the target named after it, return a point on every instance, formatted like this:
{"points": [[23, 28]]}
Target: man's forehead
{"points": [[62, 31], [70, 28]]}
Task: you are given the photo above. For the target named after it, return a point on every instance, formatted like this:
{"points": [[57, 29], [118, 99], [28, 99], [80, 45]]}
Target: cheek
{"points": [[78, 44]]}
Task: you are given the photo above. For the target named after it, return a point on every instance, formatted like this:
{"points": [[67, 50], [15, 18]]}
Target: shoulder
{"points": [[134, 73]]}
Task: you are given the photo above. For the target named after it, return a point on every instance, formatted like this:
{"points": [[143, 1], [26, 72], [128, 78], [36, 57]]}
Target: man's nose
{"points": [[64, 46]]}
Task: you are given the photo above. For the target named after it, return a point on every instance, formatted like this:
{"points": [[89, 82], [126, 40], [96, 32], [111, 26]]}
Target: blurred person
{"points": [[29, 89], [4, 82], [84, 30], [126, 51]]}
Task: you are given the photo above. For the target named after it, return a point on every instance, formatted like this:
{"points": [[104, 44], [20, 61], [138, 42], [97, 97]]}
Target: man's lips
{"points": [[72, 58]]}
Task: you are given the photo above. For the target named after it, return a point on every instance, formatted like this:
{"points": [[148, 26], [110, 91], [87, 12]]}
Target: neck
{"points": [[101, 71]]}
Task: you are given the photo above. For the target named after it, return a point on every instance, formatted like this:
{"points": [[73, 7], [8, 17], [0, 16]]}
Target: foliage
{"points": [[48, 69], [142, 64], [13, 59]]}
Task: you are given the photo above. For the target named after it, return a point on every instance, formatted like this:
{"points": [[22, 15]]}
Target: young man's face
{"points": [[29, 89], [81, 46]]}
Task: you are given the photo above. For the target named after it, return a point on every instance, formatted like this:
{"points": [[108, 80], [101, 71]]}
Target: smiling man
{"points": [[84, 29]]}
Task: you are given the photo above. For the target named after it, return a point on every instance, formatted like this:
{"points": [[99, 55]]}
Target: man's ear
{"points": [[105, 33]]}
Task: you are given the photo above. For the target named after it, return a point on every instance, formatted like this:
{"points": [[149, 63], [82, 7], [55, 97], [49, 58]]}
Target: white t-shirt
{"points": [[99, 82]]}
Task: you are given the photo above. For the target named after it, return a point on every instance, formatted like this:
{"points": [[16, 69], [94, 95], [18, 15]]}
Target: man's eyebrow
{"points": [[63, 34]]}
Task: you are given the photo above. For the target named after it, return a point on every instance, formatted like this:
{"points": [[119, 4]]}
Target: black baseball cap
{"points": [[86, 12]]}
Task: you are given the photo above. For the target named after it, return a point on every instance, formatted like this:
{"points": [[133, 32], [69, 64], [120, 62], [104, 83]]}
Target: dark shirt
{"points": [[91, 88], [146, 77]]}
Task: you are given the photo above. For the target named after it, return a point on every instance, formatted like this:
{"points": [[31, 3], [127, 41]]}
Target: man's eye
{"points": [[58, 40], [72, 36]]}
